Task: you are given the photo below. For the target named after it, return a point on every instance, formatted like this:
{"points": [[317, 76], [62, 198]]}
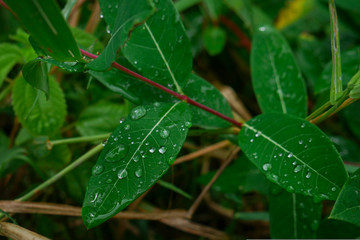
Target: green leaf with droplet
{"points": [[38, 115], [122, 16], [347, 206], [35, 73], [46, 25], [136, 155], [90, 123], [295, 154], [276, 78], [293, 216], [10, 54], [160, 49]]}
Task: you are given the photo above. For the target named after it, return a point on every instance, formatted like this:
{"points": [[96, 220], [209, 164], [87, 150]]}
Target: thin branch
{"points": [[243, 39], [216, 176], [13, 231], [202, 152], [169, 91]]}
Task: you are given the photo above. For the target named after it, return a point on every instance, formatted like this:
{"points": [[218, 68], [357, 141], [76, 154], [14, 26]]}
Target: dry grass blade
{"points": [[15, 232]]}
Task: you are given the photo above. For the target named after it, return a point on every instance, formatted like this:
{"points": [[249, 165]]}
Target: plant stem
{"points": [[78, 139], [175, 94], [319, 111], [5, 92], [60, 174], [182, 5]]}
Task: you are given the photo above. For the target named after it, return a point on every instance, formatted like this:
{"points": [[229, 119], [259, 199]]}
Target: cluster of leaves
{"points": [[284, 156]]}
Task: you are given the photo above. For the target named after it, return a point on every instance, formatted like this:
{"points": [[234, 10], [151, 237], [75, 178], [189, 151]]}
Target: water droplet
{"points": [[122, 173], [310, 140], [122, 120], [294, 163], [101, 15], [163, 17], [162, 150], [301, 141], [164, 133], [116, 154], [302, 125], [97, 169], [298, 168], [258, 134], [135, 62], [280, 154], [109, 180], [180, 39], [104, 142], [108, 29], [333, 189], [136, 158], [308, 175], [137, 113], [267, 167], [290, 189], [138, 173], [152, 150], [188, 124], [127, 127], [251, 140], [147, 144], [290, 155]]}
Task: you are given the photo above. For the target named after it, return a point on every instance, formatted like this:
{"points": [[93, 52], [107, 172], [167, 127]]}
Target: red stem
{"points": [[243, 39], [171, 92]]}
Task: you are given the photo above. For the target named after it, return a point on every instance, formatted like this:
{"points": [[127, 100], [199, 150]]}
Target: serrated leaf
{"points": [[295, 154], [137, 154], [46, 25], [293, 216], [205, 93], [10, 54], [90, 123], [347, 206], [160, 49], [276, 79], [214, 39], [39, 116], [35, 73], [122, 21]]}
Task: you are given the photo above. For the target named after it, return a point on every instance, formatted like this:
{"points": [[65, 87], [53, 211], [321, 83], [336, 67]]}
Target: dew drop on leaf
{"points": [[188, 124], [308, 175], [164, 133], [171, 160], [137, 113], [267, 167], [333, 189], [122, 173], [138, 173], [162, 150], [298, 168], [152, 150], [127, 127], [97, 169], [116, 154], [290, 189], [290, 155], [109, 180], [136, 158], [302, 125]]}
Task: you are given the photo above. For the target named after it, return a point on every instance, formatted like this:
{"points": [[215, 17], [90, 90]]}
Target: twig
{"points": [[94, 18], [67, 210], [216, 176], [243, 39], [235, 102], [201, 152], [15, 232]]}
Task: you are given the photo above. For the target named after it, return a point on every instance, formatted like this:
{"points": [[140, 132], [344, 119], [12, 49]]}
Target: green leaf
{"points": [[352, 118], [39, 116], [101, 118], [205, 93], [46, 25], [241, 176], [252, 216], [122, 17], [276, 79], [335, 229], [173, 188], [336, 89], [295, 154], [293, 216], [87, 40], [160, 49], [350, 62], [135, 157], [35, 73], [67, 66], [348, 149], [347, 206], [10, 54], [214, 8], [214, 40]]}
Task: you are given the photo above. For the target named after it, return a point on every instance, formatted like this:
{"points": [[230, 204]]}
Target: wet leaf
{"points": [[276, 79], [160, 49], [46, 25], [36, 74], [347, 206], [10, 54], [295, 154], [135, 157]]}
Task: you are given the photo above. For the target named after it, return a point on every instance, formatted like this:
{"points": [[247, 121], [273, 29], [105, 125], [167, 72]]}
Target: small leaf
{"points": [[43, 19], [295, 154], [293, 216], [67, 66], [39, 116], [35, 73], [160, 49], [101, 118], [347, 206], [122, 17], [214, 40], [135, 157], [203, 92], [214, 8], [276, 79], [10, 54]]}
